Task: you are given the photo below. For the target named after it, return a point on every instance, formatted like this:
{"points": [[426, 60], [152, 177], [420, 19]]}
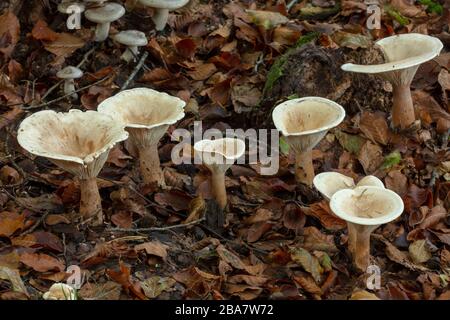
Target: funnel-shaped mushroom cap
{"points": [[328, 183], [401, 52], [145, 113], [165, 4], [69, 72], [108, 13], [78, 142], [367, 206], [219, 154], [305, 121]]}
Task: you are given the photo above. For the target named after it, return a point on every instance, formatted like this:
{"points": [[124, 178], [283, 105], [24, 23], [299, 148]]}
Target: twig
{"points": [[137, 230], [135, 71], [291, 4], [67, 95]]}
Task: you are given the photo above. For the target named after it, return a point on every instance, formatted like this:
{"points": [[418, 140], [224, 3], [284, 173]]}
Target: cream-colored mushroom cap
{"points": [[60, 291], [369, 206], [307, 115], [328, 183], [165, 4], [108, 13], [220, 151], [401, 52], [69, 72], [131, 38], [75, 137], [143, 108]]}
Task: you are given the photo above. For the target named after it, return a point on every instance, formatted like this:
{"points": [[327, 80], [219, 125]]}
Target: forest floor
{"points": [[276, 240]]}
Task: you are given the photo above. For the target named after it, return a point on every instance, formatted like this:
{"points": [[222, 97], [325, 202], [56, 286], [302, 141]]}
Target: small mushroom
{"points": [[365, 209], [60, 291], [328, 183], [132, 39], [103, 16], [146, 115], [162, 10], [77, 142], [218, 156], [304, 122], [403, 54], [70, 73]]}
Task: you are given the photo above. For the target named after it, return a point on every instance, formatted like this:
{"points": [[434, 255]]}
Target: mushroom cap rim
{"points": [[198, 147], [399, 65], [69, 72], [163, 4], [131, 38], [329, 126], [97, 15], [386, 218], [82, 161]]}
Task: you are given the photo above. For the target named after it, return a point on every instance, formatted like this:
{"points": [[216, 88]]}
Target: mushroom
{"points": [[70, 73], [103, 16], [328, 183], [403, 54], [162, 10], [68, 7], [146, 115], [365, 209], [132, 39], [218, 156], [304, 122], [60, 291], [77, 142]]}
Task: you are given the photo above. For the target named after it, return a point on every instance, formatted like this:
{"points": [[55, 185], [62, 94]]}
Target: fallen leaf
{"points": [[64, 45], [321, 210], [10, 223], [41, 31], [374, 126], [13, 276], [156, 285], [41, 262], [418, 251], [155, 248], [308, 262]]}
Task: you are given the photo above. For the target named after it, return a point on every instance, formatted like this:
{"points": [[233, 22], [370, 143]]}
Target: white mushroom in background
{"points": [[60, 291], [96, 2], [70, 7], [132, 39], [328, 183], [162, 10], [403, 54], [218, 156], [77, 142], [304, 122], [146, 115], [69, 74], [103, 16], [365, 209]]}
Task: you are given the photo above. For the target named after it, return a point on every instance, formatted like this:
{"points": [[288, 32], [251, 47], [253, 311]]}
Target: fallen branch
{"points": [[135, 71], [138, 230]]}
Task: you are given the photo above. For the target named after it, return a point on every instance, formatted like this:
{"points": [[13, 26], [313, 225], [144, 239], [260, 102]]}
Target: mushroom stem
{"points": [[102, 31], [160, 18], [359, 244], [130, 54], [69, 88], [150, 166], [403, 110], [218, 188], [304, 169], [90, 202]]}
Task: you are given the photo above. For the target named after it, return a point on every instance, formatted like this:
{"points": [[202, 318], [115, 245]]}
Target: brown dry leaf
{"points": [[10, 31], [255, 281], [244, 292], [197, 208], [53, 219], [198, 283], [314, 240], [308, 262], [397, 182], [9, 175], [8, 117], [109, 290], [293, 217], [46, 203], [10, 222], [123, 277], [123, 219], [156, 285], [407, 8], [41, 31], [177, 200], [433, 217], [64, 45], [118, 157], [186, 48], [260, 215], [10, 260], [374, 126], [257, 230], [155, 248], [370, 157], [13, 276], [363, 295], [39, 239], [308, 284], [203, 71], [42, 262], [419, 252], [321, 210]]}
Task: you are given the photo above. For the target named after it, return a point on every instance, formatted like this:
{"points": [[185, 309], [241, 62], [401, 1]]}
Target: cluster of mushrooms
{"points": [[103, 13], [79, 142]]}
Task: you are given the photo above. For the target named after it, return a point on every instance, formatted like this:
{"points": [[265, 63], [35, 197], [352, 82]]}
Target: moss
{"points": [[391, 160], [276, 71], [432, 6], [397, 16]]}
